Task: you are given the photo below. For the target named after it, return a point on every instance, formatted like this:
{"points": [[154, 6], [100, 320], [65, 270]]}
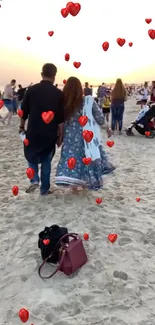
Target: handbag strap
{"points": [[73, 235]]}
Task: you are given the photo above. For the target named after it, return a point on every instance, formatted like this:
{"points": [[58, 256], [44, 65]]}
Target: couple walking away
{"points": [[64, 130]]}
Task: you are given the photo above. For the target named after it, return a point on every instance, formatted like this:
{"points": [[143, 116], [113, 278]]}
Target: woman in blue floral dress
{"points": [[75, 146]]}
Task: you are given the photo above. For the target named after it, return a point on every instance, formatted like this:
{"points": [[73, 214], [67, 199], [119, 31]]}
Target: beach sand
{"points": [[94, 295]]}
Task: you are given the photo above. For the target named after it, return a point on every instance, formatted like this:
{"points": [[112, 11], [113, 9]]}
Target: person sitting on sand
{"points": [[74, 145], [118, 97], [42, 136]]}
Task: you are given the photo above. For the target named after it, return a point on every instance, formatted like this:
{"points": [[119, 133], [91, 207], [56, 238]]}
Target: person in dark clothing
{"points": [[42, 137], [87, 91], [21, 92], [118, 97]]}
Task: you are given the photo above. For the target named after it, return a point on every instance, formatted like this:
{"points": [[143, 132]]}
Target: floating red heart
{"points": [[83, 120], [15, 190], [51, 33], [147, 133], [77, 64], [130, 44], [24, 315], [86, 236], [110, 143], [137, 199], [64, 81], [64, 12], [87, 135], [74, 8], [28, 38], [121, 41], [87, 161], [69, 4], [47, 116], [26, 142], [30, 173], [20, 113], [98, 200], [1, 104], [71, 163], [112, 237], [105, 46], [151, 33], [46, 242], [148, 20], [67, 57]]}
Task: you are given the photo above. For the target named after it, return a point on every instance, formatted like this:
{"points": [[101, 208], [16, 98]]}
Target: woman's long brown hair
{"points": [[119, 91], [73, 97]]}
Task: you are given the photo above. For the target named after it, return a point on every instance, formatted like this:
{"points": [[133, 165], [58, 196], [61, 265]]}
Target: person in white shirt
{"points": [[8, 100]]}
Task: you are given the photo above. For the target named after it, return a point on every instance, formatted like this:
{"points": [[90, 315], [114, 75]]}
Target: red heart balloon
{"points": [[98, 200], [15, 190], [64, 81], [23, 315], [137, 199], [26, 142], [110, 143], [121, 41], [77, 64], [130, 44], [20, 113], [51, 33], [86, 236], [69, 4], [148, 20], [151, 33], [87, 135], [83, 120], [28, 38], [67, 57], [74, 9], [46, 242], [30, 173], [47, 116], [71, 163], [1, 104], [112, 237], [147, 133], [87, 161], [105, 46], [64, 12]]}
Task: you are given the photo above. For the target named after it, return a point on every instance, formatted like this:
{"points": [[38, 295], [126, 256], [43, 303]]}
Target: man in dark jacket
{"points": [[42, 135]]}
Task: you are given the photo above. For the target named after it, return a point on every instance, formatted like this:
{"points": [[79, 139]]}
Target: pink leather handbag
{"points": [[72, 256]]}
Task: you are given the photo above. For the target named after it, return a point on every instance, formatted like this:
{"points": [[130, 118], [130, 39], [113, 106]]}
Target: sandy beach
{"points": [[94, 295]]}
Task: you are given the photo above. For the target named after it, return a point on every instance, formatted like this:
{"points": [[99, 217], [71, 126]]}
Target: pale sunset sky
{"points": [[81, 36]]}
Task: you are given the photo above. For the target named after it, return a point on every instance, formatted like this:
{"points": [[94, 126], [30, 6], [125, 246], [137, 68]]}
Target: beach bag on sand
{"points": [[72, 256], [48, 240]]}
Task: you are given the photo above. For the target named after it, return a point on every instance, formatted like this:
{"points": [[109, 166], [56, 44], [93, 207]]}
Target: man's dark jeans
{"points": [[117, 111]]}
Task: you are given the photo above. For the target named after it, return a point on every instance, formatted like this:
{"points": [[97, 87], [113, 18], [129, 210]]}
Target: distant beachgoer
{"points": [[87, 91], [8, 100], [118, 97], [101, 93], [21, 92], [74, 146], [106, 106], [15, 102], [153, 92], [144, 92]]}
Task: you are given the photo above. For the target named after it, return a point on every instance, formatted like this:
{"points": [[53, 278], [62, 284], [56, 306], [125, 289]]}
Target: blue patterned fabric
{"points": [[73, 146]]}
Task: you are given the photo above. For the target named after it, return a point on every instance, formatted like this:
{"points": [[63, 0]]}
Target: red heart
{"points": [[86, 236], [26, 142], [1, 104], [69, 4], [28, 38], [137, 199], [110, 143], [30, 173], [151, 33], [148, 20], [15, 190], [67, 57], [83, 120], [24, 315], [98, 200], [121, 41], [105, 46], [51, 33], [71, 163], [74, 8], [47, 116], [87, 135], [87, 161], [64, 81], [147, 133], [112, 237], [64, 12], [130, 44], [20, 113], [77, 64], [46, 241]]}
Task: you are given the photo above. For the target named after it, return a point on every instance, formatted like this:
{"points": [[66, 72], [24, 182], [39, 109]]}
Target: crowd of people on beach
{"points": [[70, 119]]}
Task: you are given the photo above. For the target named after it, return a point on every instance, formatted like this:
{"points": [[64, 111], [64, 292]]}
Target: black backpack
{"points": [[48, 238]]}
